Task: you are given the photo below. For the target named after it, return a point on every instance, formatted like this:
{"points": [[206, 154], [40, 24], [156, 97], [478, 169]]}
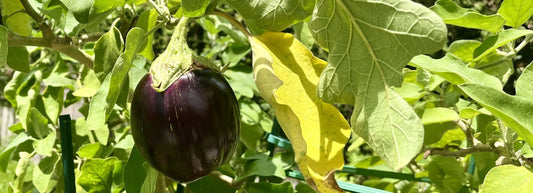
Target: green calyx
{"points": [[176, 60]]}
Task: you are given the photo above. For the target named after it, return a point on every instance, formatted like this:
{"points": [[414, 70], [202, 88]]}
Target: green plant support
{"points": [[67, 155]]}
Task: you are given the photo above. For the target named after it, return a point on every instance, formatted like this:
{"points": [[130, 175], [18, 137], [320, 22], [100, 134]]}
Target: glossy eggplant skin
{"points": [[188, 130]]}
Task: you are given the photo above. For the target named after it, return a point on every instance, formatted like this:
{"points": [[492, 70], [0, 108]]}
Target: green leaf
{"points": [[439, 115], [464, 49], [194, 8], [18, 58], [492, 43], [105, 5], [44, 173], [19, 23], [3, 45], [516, 12], [149, 183], [53, 102], [273, 15], [38, 124], [524, 84], [97, 175], [211, 183], [106, 52], [267, 187], [241, 81], [133, 175], [8, 152], [369, 44], [91, 84], [267, 166], [504, 107], [45, 146], [105, 98], [410, 92], [434, 132], [508, 179], [80, 9], [453, 14], [395, 133], [147, 22], [455, 71], [94, 150], [25, 101], [446, 173]]}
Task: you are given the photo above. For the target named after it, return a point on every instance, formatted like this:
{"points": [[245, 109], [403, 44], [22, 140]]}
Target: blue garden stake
{"points": [[67, 155]]}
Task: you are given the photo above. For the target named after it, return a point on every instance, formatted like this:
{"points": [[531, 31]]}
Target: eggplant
{"points": [[185, 118]]}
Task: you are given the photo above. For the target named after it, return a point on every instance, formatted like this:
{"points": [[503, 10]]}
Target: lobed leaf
{"points": [[504, 106], [453, 14], [516, 12], [286, 74]]}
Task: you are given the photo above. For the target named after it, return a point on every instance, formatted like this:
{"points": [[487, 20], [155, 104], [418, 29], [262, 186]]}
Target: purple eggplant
{"points": [[188, 130]]}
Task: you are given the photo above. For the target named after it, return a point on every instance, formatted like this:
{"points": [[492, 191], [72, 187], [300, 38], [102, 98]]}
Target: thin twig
{"points": [[460, 152], [47, 31], [233, 21]]}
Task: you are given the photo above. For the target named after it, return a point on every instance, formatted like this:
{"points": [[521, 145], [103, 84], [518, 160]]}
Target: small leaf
{"points": [[499, 178], [105, 5], [44, 173], [53, 102], [492, 43], [438, 115], [273, 15], [504, 107], [147, 22], [266, 167], [18, 58], [241, 81], [464, 49], [45, 146], [446, 173], [524, 84], [97, 175], [7, 153], [194, 8], [456, 15], [286, 74], [38, 127], [80, 9], [455, 71], [91, 84], [94, 150], [211, 183], [3, 45], [516, 12], [19, 23], [107, 49]]}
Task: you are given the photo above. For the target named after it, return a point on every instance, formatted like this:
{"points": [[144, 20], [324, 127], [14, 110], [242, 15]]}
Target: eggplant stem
{"points": [[233, 21]]}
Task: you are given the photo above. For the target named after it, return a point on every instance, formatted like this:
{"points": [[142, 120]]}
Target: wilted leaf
{"points": [[286, 74]]}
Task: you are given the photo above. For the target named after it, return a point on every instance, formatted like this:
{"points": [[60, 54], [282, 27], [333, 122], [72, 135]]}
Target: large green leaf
{"points": [[105, 98], [516, 12], [370, 42], [496, 41], [508, 179], [504, 107], [273, 15], [455, 71], [97, 175], [3, 45], [524, 84], [456, 15]]}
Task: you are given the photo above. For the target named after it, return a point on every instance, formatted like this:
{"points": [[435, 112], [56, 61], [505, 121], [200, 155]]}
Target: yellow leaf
{"points": [[286, 74]]}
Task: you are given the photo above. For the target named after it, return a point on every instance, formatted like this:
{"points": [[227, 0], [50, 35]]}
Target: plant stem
{"points": [[460, 152], [233, 21]]}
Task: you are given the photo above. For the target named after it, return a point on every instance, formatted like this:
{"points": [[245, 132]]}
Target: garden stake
{"points": [[67, 154]]}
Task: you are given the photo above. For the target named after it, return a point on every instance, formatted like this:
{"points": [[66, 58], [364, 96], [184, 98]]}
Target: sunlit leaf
{"points": [[504, 107], [96, 175], [45, 146], [286, 74], [499, 179], [3, 45], [106, 51], [105, 5], [516, 12], [194, 8], [456, 15], [43, 174], [524, 84], [439, 115], [493, 42], [147, 21], [19, 23]]}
